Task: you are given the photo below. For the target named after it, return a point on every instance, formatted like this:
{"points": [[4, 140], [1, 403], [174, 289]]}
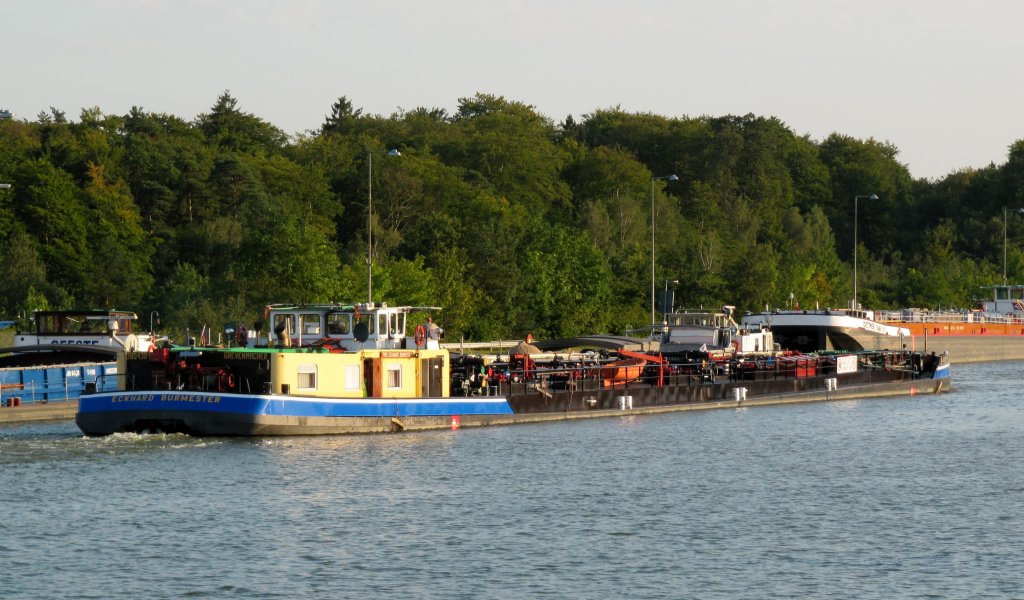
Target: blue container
{"points": [[108, 383], [55, 384]]}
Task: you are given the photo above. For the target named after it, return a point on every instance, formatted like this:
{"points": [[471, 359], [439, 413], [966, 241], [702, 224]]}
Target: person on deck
{"points": [[525, 347], [432, 330], [431, 334]]}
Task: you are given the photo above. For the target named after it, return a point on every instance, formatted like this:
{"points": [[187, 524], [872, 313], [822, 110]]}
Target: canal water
{"points": [[913, 497]]}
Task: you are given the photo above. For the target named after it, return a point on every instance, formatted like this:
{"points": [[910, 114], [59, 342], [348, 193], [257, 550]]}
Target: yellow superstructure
{"points": [[373, 373]]}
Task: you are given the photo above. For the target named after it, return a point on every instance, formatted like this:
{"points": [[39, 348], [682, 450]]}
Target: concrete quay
{"points": [[63, 410]]}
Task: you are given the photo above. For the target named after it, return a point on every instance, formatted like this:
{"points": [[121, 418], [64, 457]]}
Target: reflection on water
{"points": [[883, 498]]}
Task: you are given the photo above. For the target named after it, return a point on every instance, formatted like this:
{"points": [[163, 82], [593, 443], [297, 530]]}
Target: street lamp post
{"points": [[653, 179], [1004, 246], [667, 306], [1019, 211], [369, 222], [855, 198]]}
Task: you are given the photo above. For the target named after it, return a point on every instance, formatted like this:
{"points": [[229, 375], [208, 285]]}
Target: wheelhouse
{"points": [[99, 328], [75, 322], [352, 326]]}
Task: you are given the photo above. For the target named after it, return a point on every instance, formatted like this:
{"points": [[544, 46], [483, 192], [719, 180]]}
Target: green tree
{"points": [[463, 301], [227, 127], [342, 118], [567, 286], [184, 302], [118, 244], [22, 276], [865, 168], [513, 149], [50, 205]]}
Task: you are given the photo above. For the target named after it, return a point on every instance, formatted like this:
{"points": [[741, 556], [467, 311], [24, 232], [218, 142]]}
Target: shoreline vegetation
{"points": [[509, 220]]}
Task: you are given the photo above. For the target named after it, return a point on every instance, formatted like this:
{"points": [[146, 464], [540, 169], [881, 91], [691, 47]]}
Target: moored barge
{"points": [[64, 351], [992, 331]]}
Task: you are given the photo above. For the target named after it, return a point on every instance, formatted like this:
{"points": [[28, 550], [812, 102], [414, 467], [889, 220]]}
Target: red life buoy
{"points": [[421, 336], [225, 381]]}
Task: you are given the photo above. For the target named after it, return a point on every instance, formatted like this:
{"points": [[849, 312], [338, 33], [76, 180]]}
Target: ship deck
{"points": [[65, 411]]}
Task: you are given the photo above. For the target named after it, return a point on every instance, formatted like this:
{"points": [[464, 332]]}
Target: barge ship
{"points": [[64, 351], [993, 331], [341, 369], [849, 330]]}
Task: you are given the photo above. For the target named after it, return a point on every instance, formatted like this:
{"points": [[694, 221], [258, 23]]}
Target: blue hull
{"points": [[207, 413], [278, 406]]}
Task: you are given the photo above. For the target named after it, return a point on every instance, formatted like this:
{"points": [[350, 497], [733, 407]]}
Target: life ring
{"points": [[225, 381], [421, 336]]}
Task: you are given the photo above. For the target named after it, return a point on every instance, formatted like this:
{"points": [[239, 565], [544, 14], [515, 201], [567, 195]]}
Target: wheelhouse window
{"points": [[339, 323], [48, 324], [392, 324], [310, 323], [396, 324], [95, 326], [284, 325], [367, 320], [307, 377]]}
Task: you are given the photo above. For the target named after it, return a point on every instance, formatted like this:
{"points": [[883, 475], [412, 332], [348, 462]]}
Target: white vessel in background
{"points": [[64, 351], [830, 329]]}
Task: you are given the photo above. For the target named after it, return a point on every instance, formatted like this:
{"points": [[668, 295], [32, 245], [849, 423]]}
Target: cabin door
{"points": [[374, 377], [431, 370]]}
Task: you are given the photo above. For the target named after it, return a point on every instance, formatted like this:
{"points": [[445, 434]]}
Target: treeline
{"points": [[509, 221]]}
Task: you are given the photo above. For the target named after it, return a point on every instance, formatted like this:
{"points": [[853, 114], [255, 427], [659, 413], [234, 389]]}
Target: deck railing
{"points": [[925, 316], [546, 378], [43, 393]]}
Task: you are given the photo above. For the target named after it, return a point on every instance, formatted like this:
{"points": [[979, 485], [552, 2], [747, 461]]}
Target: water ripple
{"points": [[910, 497]]}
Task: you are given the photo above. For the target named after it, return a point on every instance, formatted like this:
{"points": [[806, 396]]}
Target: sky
{"points": [[941, 80]]}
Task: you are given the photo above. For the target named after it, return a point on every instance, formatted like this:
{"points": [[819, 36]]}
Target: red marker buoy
{"points": [[456, 421]]}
